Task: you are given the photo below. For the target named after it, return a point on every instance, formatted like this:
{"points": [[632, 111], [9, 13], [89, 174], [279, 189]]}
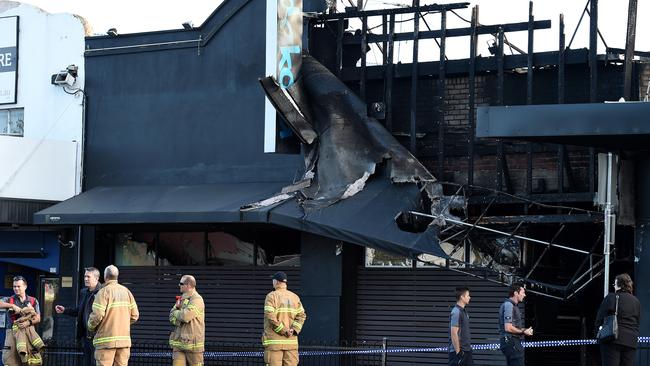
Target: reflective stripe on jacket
{"points": [[114, 310], [189, 324], [282, 310]]}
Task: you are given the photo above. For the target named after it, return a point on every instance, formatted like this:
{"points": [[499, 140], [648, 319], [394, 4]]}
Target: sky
{"points": [[151, 15]]}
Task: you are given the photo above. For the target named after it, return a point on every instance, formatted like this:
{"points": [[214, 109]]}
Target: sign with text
{"points": [[8, 59], [289, 53]]}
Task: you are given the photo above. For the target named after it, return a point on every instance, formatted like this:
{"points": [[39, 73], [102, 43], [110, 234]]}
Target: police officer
{"points": [[460, 337], [284, 317], [511, 328]]}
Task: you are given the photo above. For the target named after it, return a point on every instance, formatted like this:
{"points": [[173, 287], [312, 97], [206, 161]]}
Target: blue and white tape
{"points": [[369, 351]]}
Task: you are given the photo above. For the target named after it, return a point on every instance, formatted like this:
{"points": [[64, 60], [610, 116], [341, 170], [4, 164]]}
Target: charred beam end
{"points": [[541, 219], [453, 32], [289, 111], [369, 13]]}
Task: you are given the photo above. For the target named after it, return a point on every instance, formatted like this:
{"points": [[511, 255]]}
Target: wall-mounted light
{"points": [[112, 32], [188, 25]]}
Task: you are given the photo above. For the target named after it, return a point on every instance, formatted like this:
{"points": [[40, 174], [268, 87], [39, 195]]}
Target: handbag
{"points": [[609, 330]]}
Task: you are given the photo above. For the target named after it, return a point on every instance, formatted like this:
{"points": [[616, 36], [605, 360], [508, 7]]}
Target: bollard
{"points": [[384, 343]]}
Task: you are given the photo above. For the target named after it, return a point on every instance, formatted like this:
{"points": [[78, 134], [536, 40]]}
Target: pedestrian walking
{"points": [[511, 326], [82, 312], [114, 310], [188, 318], [284, 318], [460, 336]]}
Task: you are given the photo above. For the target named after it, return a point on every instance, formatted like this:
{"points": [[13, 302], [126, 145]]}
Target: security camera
{"points": [[112, 32], [188, 25], [63, 78]]}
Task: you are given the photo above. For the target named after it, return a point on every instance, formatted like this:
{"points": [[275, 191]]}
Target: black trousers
{"points": [[461, 359], [89, 352], [513, 350], [617, 355]]}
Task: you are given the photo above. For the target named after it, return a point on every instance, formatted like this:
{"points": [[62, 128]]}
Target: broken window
{"points": [[380, 258]]}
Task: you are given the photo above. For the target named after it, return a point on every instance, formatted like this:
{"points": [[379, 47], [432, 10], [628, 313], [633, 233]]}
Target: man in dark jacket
{"points": [[83, 310]]}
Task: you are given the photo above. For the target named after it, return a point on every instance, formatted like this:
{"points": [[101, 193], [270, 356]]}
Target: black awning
{"points": [[367, 218], [158, 204], [607, 125]]}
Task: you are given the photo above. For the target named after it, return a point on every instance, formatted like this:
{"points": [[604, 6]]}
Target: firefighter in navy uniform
{"points": [[284, 317]]}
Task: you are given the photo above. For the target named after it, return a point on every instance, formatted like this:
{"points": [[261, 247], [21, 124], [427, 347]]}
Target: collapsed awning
{"points": [[606, 125], [364, 219]]}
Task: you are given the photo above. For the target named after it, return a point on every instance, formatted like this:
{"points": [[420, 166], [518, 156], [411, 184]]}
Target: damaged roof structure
{"points": [[393, 156]]}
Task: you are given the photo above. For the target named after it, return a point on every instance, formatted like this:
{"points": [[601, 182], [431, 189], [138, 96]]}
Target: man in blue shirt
{"points": [[511, 328], [460, 337]]}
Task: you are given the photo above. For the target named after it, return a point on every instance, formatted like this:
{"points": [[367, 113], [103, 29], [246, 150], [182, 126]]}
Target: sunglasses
{"points": [[19, 278]]}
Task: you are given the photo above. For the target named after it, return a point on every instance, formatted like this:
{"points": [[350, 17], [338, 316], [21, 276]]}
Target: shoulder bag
{"points": [[609, 330]]}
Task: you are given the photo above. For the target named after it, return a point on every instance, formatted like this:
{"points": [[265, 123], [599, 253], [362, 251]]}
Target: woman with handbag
{"points": [[617, 324]]}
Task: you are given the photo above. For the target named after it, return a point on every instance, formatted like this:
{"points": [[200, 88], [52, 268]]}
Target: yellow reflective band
{"points": [[296, 325], [185, 346], [99, 306], [21, 344], [268, 342], [269, 309], [195, 309], [290, 310], [133, 305], [119, 304], [279, 328], [37, 342], [110, 339]]}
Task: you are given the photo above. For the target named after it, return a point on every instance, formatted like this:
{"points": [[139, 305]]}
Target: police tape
{"points": [[371, 351]]}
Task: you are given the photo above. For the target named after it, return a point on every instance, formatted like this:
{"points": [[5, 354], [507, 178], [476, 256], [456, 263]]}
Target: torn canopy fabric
{"points": [[350, 144], [352, 155]]}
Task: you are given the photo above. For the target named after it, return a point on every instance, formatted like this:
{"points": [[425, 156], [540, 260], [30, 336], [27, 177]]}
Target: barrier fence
{"points": [[360, 353]]}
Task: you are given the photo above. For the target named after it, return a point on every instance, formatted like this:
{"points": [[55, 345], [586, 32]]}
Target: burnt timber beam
{"points": [[407, 10], [620, 51], [540, 198], [482, 64], [453, 32], [541, 219]]}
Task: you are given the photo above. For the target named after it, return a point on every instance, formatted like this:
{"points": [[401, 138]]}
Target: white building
{"points": [[41, 134], [41, 125]]}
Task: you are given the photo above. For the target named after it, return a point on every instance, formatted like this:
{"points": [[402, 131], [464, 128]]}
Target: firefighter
{"points": [[284, 317], [188, 318], [114, 310], [15, 303]]}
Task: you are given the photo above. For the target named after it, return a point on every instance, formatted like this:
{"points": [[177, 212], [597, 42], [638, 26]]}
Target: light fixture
{"points": [[112, 32], [188, 25]]}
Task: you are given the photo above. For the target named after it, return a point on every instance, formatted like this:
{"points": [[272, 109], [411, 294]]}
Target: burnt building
{"points": [[380, 198]]}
